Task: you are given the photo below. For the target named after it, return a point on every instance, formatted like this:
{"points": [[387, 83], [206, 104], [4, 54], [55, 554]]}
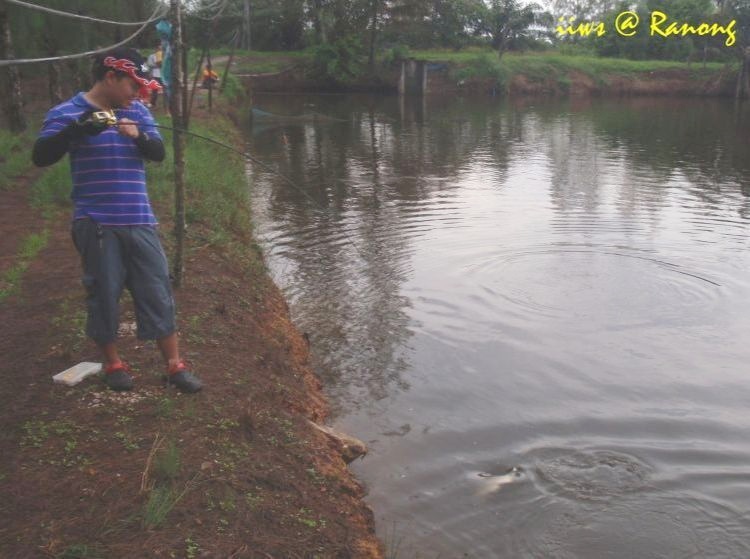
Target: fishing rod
{"points": [[108, 118]]}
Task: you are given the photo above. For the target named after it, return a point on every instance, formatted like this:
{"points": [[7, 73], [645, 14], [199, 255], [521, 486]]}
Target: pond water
{"points": [[535, 312]]}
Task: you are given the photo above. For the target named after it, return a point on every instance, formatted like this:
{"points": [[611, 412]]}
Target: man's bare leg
{"points": [[111, 356], [169, 348]]}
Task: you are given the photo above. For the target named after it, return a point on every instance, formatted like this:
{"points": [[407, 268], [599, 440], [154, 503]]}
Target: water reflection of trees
{"points": [[704, 140], [360, 173], [384, 162]]}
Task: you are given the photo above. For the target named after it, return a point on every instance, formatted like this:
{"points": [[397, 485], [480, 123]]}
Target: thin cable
{"points": [[16, 61], [267, 167], [76, 16], [259, 162], [254, 160], [220, 6]]}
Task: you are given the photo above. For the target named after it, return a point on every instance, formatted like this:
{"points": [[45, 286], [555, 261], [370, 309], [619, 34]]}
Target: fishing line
{"points": [[254, 160]]}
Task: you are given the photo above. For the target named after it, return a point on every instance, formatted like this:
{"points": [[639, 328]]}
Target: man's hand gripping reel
{"points": [[94, 123], [103, 118]]}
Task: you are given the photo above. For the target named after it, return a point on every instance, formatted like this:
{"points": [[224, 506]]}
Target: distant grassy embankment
{"points": [[555, 72], [480, 69]]}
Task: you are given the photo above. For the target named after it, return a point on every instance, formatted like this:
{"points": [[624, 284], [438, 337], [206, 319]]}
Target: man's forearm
{"points": [[50, 149], [150, 148]]}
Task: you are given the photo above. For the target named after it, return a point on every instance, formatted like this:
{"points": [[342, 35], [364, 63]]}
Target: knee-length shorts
{"points": [[115, 257]]}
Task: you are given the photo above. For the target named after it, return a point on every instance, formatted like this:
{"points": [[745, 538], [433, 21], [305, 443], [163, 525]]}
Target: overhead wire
{"points": [[219, 6], [266, 167], [159, 12], [31, 6], [17, 61]]}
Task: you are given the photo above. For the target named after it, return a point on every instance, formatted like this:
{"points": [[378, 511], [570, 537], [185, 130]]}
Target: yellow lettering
{"points": [[674, 28], [582, 29], [657, 18], [731, 34]]}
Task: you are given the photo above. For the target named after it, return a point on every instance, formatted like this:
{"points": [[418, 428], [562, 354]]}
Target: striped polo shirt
{"points": [[108, 171]]}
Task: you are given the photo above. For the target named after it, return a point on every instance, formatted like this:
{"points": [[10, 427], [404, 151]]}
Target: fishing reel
{"points": [[103, 118]]}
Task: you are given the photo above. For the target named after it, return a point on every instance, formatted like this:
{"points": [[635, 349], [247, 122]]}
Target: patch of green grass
{"points": [[168, 462], [15, 154], [70, 320], [216, 186], [483, 66], [165, 407], [51, 191], [37, 431], [540, 65], [192, 549], [30, 247], [304, 516], [161, 500], [127, 441]]}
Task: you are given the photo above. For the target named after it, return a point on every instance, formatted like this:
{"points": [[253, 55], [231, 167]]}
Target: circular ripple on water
{"points": [[590, 475], [607, 283]]}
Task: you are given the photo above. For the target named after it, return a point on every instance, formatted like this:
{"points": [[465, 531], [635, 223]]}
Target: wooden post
{"points": [[184, 98], [178, 139], [195, 83], [210, 81], [229, 64]]}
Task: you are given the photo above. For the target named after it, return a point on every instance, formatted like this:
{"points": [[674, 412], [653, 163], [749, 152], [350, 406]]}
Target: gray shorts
{"points": [[128, 256]]}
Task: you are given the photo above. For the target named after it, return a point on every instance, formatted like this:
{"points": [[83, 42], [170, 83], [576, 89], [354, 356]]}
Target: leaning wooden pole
{"points": [[195, 84], [210, 80], [184, 64], [229, 64], [178, 139]]}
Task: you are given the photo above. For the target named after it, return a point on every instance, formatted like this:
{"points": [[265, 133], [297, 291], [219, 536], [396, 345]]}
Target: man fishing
{"points": [[114, 228]]}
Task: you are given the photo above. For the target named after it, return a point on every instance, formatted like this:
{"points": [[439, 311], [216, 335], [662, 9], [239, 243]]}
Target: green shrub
{"points": [[484, 66], [396, 54], [233, 89], [339, 62]]}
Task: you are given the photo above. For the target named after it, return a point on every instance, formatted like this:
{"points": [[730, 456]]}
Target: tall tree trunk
{"points": [[228, 66], [320, 32], [210, 80], [373, 34], [79, 76], [13, 106], [53, 70], [178, 139], [55, 90], [246, 42], [743, 78]]}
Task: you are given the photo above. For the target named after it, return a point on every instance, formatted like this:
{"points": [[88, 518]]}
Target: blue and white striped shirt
{"points": [[108, 171]]}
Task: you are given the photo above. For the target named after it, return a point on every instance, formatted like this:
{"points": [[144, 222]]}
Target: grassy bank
{"points": [[14, 154], [549, 72]]}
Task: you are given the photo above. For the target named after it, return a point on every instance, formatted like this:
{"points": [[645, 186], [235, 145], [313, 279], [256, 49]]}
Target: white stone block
{"points": [[76, 374]]}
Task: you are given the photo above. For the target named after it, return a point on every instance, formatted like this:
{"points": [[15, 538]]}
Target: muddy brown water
{"points": [[537, 314]]}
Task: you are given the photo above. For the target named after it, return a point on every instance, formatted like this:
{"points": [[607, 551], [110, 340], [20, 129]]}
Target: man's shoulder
{"points": [[74, 104]]}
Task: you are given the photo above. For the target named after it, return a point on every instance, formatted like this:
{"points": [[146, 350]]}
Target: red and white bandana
{"points": [[129, 67]]}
